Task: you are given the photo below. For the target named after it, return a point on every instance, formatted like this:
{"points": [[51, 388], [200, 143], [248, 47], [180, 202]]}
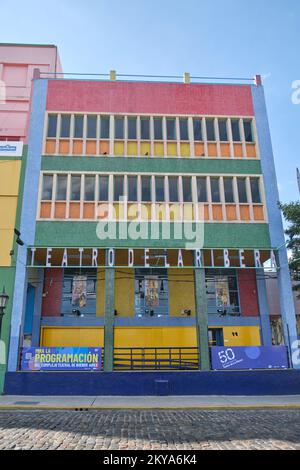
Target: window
{"points": [[61, 188], [215, 190], [197, 129], [159, 189], [235, 128], [131, 128], [222, 292], [132, 188], [78, 127], [241, 184], [248, 131], [65, 125], [145, 128], [171, 129], [91, 127], [187, 189], [210, 129], [146, 188], [104, 127], [158, 133], [151, 292], [255, 193], [223, 130], [228, 190], [183, 127], [79, 292], [118, 187], [89, 188], [75, 188], [47, 188], [119, 128], [201, 189], [103, 188], [173, 189], [52, 125]]}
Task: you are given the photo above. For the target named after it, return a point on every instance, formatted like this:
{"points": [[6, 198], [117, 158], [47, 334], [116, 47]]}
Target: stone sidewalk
{"points": [[181, 429], [147, 402]]}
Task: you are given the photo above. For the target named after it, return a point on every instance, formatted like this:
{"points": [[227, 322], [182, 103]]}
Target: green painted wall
{"points": [[83, 234], [7, 278], [151, 165], [7, 275]]}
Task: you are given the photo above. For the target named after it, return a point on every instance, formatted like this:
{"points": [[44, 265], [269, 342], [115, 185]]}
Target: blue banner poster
{"points": [[249, 357], [55, 359]]}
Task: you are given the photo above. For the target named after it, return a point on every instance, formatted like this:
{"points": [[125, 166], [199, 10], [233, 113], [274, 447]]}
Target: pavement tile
{"points": [[151, 429]]}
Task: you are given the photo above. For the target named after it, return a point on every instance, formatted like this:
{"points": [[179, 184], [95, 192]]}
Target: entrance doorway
{"points": [[215, 337]]}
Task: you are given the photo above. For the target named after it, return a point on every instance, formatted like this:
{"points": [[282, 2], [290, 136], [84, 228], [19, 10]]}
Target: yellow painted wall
{"points": [[188, 212], [151, 337], [181, 294], [174, 210], [246, 336], [158, 149], [119, 148], [124, 292], [72, 336], [9, 177], [145, 148], [172, 149], [185, 150], [9, 187], [143, 337], [155, 337], [132, 148]]}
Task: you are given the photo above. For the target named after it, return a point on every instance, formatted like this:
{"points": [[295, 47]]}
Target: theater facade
{"points": [[150, 224]]}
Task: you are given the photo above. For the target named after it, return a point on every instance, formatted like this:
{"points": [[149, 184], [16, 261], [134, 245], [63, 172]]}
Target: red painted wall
{"points": [[248, 292], [51, 304], [139, 97]]}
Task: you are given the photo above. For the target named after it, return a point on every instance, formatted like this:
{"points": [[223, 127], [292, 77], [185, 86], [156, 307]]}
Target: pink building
{"points": [[17, 63], [273, 298], [274, 308]]}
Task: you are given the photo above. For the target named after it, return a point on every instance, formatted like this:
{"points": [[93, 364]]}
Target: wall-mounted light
{"points": [[19, 241]]}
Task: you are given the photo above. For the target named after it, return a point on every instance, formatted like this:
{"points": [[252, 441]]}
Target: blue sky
{"points": [[236, 38]]}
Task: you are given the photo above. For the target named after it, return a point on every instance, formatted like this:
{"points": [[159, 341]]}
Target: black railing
{"points": [[156, 358]]}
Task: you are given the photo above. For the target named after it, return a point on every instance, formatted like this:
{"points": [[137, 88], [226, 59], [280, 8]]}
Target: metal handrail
{"points": [[162, 358], [141, 77]]}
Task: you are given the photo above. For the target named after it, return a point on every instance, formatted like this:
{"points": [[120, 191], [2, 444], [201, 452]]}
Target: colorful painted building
{"points": [[149, 211], [17, 64]]}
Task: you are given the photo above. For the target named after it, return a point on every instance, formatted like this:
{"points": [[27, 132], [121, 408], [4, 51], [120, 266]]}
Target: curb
{"points": [[177, 408]]}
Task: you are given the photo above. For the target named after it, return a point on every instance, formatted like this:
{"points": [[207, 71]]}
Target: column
{"points": [[28, 216], [263, 308], [109, 312], [201, 318], [275, 225]]}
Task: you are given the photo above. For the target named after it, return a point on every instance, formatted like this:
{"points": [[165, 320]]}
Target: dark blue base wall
{"points": [[263, 382]]}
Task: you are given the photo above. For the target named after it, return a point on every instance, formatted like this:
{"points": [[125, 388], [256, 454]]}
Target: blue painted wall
{"points": [[266, 382], [29, 310], [28, 216], [277, 239]]}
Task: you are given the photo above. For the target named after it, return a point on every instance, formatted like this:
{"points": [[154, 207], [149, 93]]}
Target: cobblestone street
{"points": [[152, 429]]}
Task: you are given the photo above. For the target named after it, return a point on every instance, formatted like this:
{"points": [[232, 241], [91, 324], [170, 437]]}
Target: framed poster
{"points": [[249, 357], [79, 291], [64, 359]]}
